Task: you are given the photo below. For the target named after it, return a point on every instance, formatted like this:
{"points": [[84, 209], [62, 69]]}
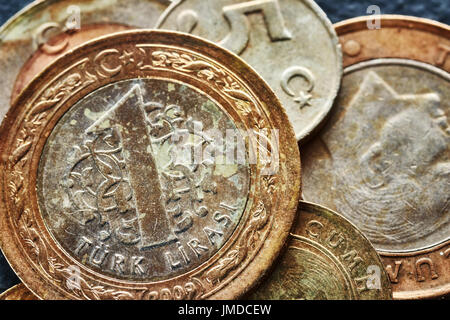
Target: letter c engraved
{"points": [[314, 225], [304, 97], [41, 41], [105, 70]]}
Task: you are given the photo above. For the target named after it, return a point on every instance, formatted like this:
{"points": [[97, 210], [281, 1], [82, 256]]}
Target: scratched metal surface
{"points": [[337, 10]]}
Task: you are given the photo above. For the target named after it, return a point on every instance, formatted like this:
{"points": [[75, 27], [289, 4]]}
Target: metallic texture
{"points": [[327, 258], [206, 201], [90, 197], [382, 159], [25, 51], [18, 292], [291, 43]]}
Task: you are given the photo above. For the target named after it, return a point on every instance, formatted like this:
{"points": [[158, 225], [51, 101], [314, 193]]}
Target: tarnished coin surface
{"points": [[291, 43], [46, 29], [18, 292], [146, 165], [382, 160], [327, 258]]}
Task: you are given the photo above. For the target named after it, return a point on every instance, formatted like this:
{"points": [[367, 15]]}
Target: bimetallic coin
{"points": [[146, 165], [46, 29], [327, 258], [291, 43], [383, 157], [18, 292]]}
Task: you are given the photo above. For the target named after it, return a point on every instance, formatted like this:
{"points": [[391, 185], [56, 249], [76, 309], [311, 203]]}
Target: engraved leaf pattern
{"points": [[225, 83], [25, 139], [205, 70], [246, 244], [17, 191], [59, 272]]}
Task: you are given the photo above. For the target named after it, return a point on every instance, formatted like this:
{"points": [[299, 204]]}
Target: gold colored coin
{"points": [[146, 165], [383, 158], [18, 292], [327, 258], [46, 29]]}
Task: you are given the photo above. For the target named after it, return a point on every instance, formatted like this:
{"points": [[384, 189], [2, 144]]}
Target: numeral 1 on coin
{"points": [[155, 229]]}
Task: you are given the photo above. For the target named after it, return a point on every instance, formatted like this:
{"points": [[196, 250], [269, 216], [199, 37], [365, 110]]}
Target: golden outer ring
{"points": [[415, 39], [30, 249], [18, 292], [338, 219]]}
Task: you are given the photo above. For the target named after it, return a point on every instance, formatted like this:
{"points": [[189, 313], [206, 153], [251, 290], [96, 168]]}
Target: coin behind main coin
{"points": [[24, 51], [327, 258], [382, 159], [18, 292], [146, 165], [291, 43]]}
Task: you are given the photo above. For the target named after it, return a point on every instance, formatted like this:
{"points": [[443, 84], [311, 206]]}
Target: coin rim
{"points": [[439, 29], [285, 210], [327, 213], [322, 116], [20, 287]]}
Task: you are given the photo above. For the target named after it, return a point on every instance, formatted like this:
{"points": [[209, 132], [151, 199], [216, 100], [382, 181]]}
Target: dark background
{"points": [[337, 10]]}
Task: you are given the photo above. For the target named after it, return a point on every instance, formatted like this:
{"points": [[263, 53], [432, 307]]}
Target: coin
{"points": [[46, 29], [291, 43], [383, 157], [18, 292], [327, 258], [40, 59], [146, 165]]}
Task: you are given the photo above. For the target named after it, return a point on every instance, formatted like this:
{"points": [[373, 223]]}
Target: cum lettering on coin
{"points": [[142, 168], [383, 157], [273, 36], [327, 258]]}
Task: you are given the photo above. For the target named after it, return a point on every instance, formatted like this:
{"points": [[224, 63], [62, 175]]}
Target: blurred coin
{"points": [[18, 292], [45, 30], [383, 158], [327, 258], [291, 43], [146, 165]]}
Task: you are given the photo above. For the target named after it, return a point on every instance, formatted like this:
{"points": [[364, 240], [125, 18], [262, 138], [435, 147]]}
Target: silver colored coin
{"points": [[383, 159], [25, 33], [99, 195], [291, 43]]}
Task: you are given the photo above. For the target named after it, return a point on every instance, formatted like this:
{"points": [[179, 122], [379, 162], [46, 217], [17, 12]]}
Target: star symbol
{"points": [[304, 99], [126, 58]]}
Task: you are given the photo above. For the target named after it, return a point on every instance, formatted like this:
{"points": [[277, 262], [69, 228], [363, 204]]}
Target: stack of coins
{"points": [[164, 163]]}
